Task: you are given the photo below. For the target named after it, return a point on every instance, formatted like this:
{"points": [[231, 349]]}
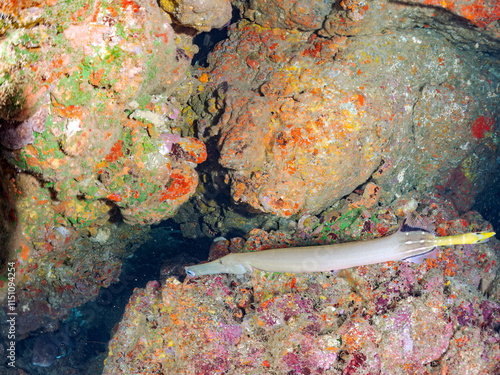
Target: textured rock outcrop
{"points": [[90, 129], [391, 318], [307, 119], [200, 15]]}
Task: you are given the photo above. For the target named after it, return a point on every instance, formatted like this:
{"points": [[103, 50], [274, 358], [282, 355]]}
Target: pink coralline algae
{"points": [[389, 318], [169, 140], [15, 135]]}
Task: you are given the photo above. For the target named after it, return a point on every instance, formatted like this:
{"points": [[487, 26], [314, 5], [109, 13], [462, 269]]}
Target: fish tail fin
{"points": [[464, 239]]}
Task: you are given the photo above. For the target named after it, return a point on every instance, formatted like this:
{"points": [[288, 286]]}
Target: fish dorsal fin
{"points": [[412, 223]]}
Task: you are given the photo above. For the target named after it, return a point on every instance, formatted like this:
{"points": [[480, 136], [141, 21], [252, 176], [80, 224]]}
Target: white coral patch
{"points": [[72, 127], [401, 176]]}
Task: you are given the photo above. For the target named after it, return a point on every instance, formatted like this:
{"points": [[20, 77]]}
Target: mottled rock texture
{"points": [[390, 318], [200, 15], [307, 102], [89, 130], [385, 93]]}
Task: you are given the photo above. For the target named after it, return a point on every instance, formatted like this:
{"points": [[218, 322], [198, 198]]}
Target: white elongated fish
{"points": [[407, 243]]}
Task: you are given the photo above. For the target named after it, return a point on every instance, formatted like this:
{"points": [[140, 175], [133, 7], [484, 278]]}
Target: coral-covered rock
{"points": [[71, 130], [153, 181], [301, 15], [394, 317], [353, 17], [482, 13], [73, 76], [306, 120], [60, 273], [201, 15]]}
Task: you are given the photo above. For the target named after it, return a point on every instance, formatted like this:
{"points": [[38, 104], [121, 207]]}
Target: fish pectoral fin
{"points": [[419, 259]]}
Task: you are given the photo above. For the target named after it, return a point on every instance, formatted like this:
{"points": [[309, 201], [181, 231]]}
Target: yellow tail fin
{"points": [[464, 239]]}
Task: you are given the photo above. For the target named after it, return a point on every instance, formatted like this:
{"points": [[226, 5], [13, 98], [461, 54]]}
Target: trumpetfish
{"points": [[409, 243]]}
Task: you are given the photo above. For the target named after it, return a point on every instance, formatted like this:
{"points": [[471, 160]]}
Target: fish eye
{"points": [[190, 273]]}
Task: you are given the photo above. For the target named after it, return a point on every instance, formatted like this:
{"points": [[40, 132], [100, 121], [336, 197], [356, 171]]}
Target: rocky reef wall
{"points": [[309, 114]]}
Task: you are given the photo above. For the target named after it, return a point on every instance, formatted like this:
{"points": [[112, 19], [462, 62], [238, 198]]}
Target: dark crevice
{"points": [[488, 203], [208, 40]]}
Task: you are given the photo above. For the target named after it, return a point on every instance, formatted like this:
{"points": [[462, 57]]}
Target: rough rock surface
{"points": [[305, 103], [201, 15], [484, 14], [390, 318], [305, 15], [304, 119], [90, 130], [79, 82]]}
